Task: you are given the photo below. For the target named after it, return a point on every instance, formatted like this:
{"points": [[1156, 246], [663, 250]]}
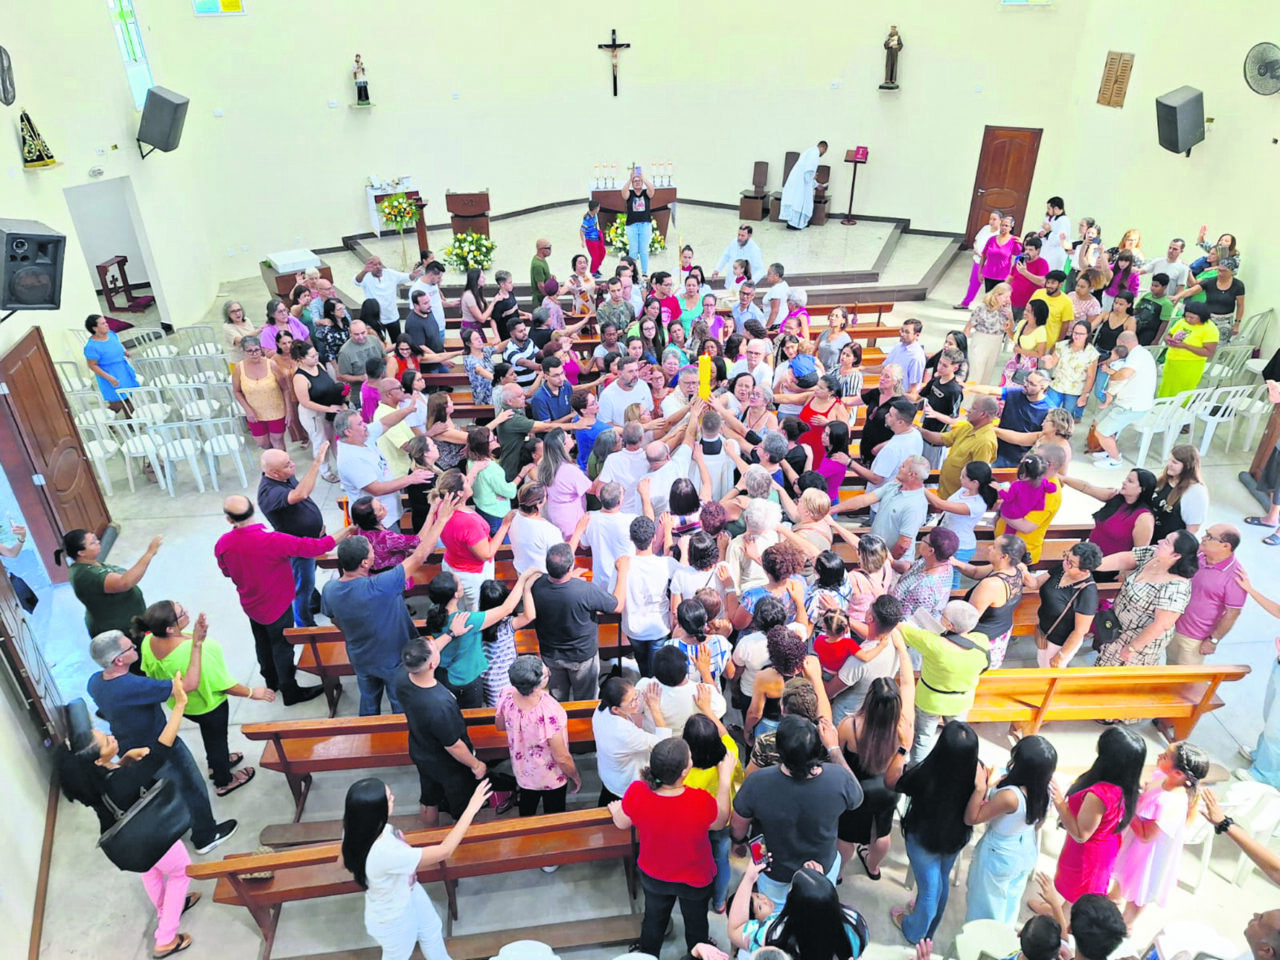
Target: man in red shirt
{"points": [[256, 560], [1027, 275], [662, 290]]}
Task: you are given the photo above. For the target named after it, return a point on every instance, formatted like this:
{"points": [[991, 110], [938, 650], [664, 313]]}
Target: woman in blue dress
{"points": [[108, 360]]}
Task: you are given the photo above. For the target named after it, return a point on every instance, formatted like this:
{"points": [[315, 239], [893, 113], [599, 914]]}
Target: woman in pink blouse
{"points": [[537, 731], [389, 546], [998, 255], [566, 484]]}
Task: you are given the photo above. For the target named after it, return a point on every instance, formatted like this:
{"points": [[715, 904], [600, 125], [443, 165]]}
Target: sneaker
{"points": [[1109, 463], [223, 831], [1241, 773], [1099, 454]]}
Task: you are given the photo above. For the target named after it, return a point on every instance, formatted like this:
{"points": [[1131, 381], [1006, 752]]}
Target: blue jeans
{"points": [[643, 650], [1100, 383], [933, 886], [304, 582], [1068, 401], [777, 891], [720, 844], [494, 522], [638, 237], [371, 683], [182, 770], [964, 556]]}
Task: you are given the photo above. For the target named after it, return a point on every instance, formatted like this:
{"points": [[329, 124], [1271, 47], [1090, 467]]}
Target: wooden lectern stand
{"points": [[468, 212], [612, 206]]}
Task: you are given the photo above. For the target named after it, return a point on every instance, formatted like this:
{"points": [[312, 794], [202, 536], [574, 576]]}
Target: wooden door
{"points": [[42, 454], [21, 659], [1005, 168]]}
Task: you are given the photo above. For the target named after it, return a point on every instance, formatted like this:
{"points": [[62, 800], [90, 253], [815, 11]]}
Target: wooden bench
{"points": [[1028, 698], [301, 748], [498, 846]]}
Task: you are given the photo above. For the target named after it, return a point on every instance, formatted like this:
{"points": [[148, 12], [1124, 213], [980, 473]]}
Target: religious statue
{"points": [[362, 84], [35, 152], [892, 47]]}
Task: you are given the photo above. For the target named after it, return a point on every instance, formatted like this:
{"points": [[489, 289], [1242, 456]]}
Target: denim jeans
{"points": [[660, 897], [418, 924], [643, 651], [1067, 401], [182, 770], [638, 237], [720, 843], [1100, 383], [933, 886], [371, 682], [304, 580], [964, 556]]}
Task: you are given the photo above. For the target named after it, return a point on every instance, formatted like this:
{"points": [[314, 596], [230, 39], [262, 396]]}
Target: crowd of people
{"points": [[771, 708]]}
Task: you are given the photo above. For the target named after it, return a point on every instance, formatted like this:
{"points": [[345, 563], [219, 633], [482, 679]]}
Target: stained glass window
{"points": [[129, 38]]}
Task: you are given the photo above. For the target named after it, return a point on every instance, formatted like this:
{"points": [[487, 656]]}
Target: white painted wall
{"points": [[26, 793], [104, 226]]}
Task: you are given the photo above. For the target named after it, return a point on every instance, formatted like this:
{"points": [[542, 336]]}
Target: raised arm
{"points": [[124, 582], [443, 850]]}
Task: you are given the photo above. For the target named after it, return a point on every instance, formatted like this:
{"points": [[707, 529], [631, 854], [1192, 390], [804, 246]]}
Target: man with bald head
{"points": [[1216, 598], [973, 438], [395, 438], [286, 502], [256, 560], [362, 346]]}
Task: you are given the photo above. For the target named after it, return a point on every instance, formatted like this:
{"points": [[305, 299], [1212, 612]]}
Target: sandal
{"points": [[862, 856], [1260, 522], [184, 941], [191, 901], [239, 780], [233, 760], [1273, 540]]}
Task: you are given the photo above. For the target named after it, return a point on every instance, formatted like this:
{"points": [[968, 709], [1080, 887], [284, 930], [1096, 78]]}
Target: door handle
{"points": [[981, 192]]}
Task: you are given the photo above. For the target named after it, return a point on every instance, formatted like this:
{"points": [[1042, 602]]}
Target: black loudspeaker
{"points": [[1180, 119], [30, 266], [162, 118]]}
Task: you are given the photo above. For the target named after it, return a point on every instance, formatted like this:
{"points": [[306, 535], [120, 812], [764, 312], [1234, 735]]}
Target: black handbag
{"points": [[27, 598], [1106, 627], [143, 834]]}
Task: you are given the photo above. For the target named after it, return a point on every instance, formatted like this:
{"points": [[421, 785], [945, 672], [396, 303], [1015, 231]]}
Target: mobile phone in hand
{"points": [[759, 852]]}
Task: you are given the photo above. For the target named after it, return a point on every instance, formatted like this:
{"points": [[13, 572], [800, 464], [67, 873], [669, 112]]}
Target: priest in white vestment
{"points": [[797, 192]]}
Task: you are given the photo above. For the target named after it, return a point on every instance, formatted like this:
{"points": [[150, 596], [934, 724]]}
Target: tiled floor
{"points": [[99, 913]]}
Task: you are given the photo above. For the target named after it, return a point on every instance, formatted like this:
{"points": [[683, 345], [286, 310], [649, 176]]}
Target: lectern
{"points": [[468, 211], [855, 156]]}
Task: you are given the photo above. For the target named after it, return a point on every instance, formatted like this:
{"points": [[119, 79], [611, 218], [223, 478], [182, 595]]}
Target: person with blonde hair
{"points": [[1181, 499], [990, 321]]}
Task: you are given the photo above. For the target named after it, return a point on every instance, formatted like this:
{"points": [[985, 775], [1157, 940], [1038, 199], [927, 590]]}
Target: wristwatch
{"points": [[1223, 825]]}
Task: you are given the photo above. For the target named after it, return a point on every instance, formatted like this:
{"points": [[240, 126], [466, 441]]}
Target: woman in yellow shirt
{"points": [[1191, 342], [1030, 342], [709, 742]]}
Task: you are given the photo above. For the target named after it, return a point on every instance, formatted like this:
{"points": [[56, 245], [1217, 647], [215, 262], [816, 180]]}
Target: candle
{"points": [[704, 377]]}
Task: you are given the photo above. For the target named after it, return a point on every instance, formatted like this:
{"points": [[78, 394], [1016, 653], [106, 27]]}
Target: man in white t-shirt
{"points": [[380, 283], [1056, 226], [905, 442], [623, 392], [755, 361], [361, 467], [1171, 265], [531, 535], [1131, 392], [430, 282], [646, 609], [607, 533], [681, 397], [715, 455], [627, 466], [774, 303]]}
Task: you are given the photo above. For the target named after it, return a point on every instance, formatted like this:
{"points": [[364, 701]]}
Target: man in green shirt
{"points": [[951, 663], [511, 433], [539, 272], [1153, 311]]}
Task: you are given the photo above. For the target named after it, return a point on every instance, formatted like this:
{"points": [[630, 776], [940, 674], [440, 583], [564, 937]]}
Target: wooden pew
{"points": [[498, 846], [301, 748], [1030, 698]]}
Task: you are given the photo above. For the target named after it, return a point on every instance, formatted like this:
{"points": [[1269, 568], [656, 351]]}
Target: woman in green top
{"points": [[110, 594], [490, 490], [166, 650], [457, 635]]}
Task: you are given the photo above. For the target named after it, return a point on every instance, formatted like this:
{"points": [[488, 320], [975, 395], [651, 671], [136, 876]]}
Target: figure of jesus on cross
{"points": [[613, 46]]}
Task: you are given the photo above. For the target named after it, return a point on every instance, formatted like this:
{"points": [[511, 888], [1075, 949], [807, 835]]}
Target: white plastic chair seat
{"points": [[179, 449], [141, 446], [1221, 406], [203, 350], [101, 449], [211, 376], [224, 445], [161, 351], [151, 412], [166, 380], [200, 409], [96, 416]]}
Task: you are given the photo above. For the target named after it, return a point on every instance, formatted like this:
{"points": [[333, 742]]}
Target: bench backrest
{"points": [[285, 730]]}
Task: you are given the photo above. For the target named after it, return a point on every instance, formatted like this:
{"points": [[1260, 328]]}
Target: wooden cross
{"points": [[613, 46]]}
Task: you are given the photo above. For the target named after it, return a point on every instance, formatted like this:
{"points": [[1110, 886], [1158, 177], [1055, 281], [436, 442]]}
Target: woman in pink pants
{"points": [[979, 244], [92, 773]]}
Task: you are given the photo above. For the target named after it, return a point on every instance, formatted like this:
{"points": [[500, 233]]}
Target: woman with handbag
{"points": [[1155, 593], [91, 774], [1068, 604]]}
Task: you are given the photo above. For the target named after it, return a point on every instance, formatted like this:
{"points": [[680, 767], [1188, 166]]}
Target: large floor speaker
{"points": [[1180, 119], [162, 118], [31, 257]]}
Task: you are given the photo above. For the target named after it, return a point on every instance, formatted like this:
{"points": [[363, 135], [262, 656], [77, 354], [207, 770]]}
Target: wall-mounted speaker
{"points": [[1180, 119], [30, 265], [162, 118]]}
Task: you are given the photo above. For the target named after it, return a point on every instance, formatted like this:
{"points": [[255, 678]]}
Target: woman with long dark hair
{"points": [[397, 911], [673, 823], [1095, 811], [1155, 593], [954, 340], [709, 743], [812, 925], [477, 313], [1007, 852], [946, 788], [1126, 519], [965, 509], [1030, 342]]}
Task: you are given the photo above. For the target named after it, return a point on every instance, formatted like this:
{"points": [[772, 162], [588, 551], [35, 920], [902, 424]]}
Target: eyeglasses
{"points": [[1208, 537]]}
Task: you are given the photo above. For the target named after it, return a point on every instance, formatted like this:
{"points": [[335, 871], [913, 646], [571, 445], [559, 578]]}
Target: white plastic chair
{"points": [[1167, 416], [1252, 411], [161, 350], [201, 341], [147, 403], [213, 368], [88, 409], [1219, 407], [193, 401], [1254, 326], [135, 443], [73, 377], [100, 447], [1227, 364], [155, 372], [175, 442], [222, 437]]}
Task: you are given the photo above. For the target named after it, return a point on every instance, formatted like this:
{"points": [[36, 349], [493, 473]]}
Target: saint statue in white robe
{"points": [[797, 192]]}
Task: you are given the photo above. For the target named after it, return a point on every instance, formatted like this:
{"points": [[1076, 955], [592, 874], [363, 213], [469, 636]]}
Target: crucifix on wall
{"points": [[613, 46]]}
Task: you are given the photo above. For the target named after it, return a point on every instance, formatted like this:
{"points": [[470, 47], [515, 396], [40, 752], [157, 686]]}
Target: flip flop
{"points": [[238, 781], [1273, 540], [233, 760], [1260, 522], [862, 856], [191, 901], [184, 941]]}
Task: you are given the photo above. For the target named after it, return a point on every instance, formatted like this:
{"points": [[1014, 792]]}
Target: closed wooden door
{"points": [[28, 670], [42, 453], [1005, 168]]}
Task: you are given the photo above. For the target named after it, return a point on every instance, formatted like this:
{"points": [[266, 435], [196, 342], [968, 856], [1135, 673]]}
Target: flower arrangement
{"points": [[616, 238], [399, 211], [470, 250]]}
